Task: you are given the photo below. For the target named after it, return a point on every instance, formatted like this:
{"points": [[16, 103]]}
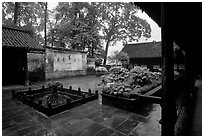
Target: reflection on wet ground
{"points": [[90, 119]]}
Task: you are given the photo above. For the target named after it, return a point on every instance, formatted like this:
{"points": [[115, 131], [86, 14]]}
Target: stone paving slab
{"points": [[91, 130], [127, 126], [144, 129], [79, 125], [96, 122], [114, 122], [117, 133], [88, 119], [105, 132]]}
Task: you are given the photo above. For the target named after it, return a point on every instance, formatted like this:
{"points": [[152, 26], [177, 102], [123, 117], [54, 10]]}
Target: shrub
{"points": [[55, 86], [101, 69], [118, 74], [91, 70], [141, 75], [98, 62], [120, 81]]}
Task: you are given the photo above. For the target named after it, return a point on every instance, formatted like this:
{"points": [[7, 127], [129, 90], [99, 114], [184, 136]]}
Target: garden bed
{"points": [[49, 103], [134, 101], [129, 89]]}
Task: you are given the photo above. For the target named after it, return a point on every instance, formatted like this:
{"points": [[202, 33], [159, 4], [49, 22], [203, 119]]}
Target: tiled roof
{"points": [[19, 38], [143, 50]]}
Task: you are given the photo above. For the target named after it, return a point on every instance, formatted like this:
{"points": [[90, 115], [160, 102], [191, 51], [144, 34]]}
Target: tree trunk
{"points": [[16, 13], [45, 24], [106, 52], [92, 50], [45, 40]]}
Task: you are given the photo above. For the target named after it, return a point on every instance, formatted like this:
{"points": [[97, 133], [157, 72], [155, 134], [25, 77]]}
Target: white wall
{"points": [[67, 62]]}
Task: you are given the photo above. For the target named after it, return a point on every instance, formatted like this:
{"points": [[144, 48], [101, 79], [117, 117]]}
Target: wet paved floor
{"points": [[90, 119]]}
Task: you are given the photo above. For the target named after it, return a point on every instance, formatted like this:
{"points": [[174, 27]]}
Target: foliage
{"points": [[54, 98], [119, 22], [98, 61], [117, 74], [91, 70], [142, 75], [55, 86], [122, 82], [77, 27], [120, 57], [90, 60], [101, 69], [30, 15]]}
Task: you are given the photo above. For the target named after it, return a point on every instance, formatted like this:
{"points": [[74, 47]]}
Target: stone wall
{"points": [[63, 63]]}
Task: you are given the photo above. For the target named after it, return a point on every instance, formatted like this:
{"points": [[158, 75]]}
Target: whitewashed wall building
{"points": [[61, 62]]}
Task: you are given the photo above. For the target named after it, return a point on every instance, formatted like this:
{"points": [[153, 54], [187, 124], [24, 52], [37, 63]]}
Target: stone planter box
{"points": [[131, 104], [33, 98]]}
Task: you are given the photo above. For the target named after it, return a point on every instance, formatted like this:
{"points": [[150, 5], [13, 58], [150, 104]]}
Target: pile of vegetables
{"points": [[122, 82]]}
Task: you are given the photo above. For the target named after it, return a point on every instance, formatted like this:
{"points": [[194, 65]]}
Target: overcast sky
{"points": [[155, 33]]}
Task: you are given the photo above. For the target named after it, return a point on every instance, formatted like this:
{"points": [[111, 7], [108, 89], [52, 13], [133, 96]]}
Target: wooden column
{"points": [[26, 69], [168, 102], [189, 70]]}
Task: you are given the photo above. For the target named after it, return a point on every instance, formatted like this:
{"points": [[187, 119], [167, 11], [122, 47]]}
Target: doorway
{"points": [[13, 66]]}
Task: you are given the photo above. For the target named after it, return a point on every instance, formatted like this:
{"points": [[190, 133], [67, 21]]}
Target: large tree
{"points": [[27, 14], [119, 22], [76, 27]]}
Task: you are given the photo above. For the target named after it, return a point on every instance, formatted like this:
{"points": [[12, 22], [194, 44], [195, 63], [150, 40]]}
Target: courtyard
{"points": [[90, 119], [152, 86]]}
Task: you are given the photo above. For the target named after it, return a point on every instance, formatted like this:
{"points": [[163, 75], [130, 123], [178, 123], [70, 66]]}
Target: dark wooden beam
{"points": [[25, 64], [189, 70], [168, 103]]}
